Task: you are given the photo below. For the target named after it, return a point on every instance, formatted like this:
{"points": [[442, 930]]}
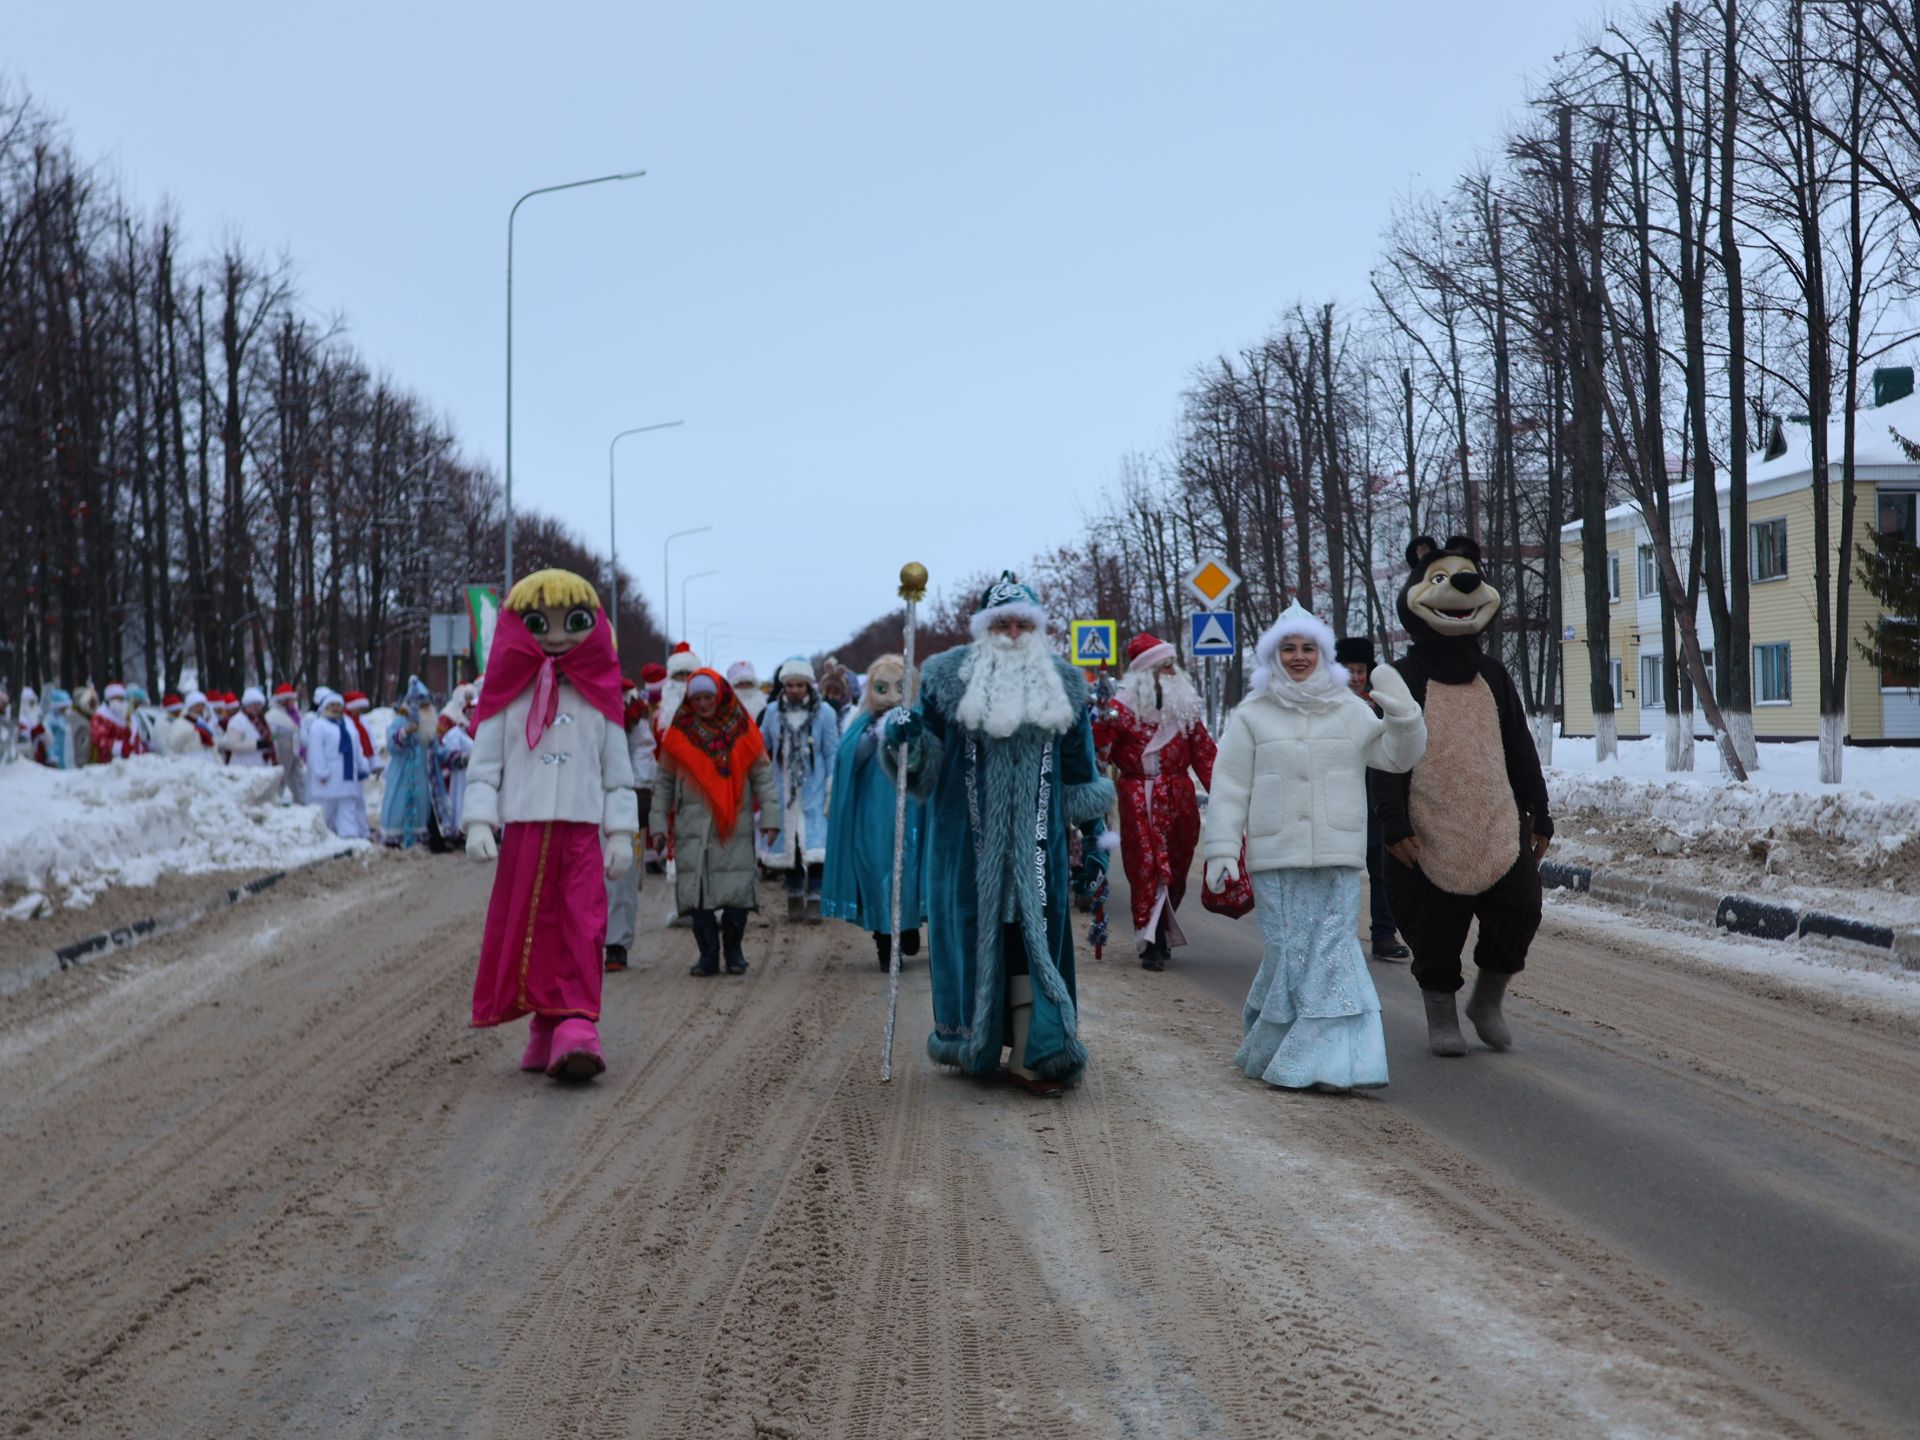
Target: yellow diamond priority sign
{"points": [[1211, 582]]}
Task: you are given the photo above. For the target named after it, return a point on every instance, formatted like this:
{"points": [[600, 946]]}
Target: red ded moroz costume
{"points": [[550, 772], [1153, 742]]}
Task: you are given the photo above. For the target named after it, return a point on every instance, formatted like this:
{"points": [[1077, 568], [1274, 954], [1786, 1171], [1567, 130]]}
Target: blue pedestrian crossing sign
{"points": [[1212, 633], [1094, 642]]}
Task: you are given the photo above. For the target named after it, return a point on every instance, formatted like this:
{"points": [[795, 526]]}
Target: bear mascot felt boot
{"points": [[539, 1042], [1443, 1024], [576, 1051], [1483, 1009]]}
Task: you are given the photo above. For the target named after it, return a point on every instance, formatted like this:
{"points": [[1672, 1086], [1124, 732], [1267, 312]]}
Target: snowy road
{"points": [[1755, 1146], [262, 1180]]}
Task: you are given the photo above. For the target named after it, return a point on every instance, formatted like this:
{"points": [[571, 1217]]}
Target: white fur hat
{"points": [[195, 699], [796, 667], [252, 695], [741, 672], [115, 691], [1294, 620]]}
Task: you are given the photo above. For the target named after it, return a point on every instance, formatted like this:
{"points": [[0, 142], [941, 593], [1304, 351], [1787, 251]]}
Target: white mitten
{"points": [[1222, 873], [1390, 693], [616, 853], [480, 843]]}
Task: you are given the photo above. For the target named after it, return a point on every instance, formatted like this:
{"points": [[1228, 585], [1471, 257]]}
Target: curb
{"points": [[1737, 914], [17, 977]]}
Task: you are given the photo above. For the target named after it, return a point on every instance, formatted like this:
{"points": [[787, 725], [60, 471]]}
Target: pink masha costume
{"points": [[550, 795]]}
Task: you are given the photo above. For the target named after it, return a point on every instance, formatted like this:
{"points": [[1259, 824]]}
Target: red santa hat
{"points": [[173, 704], [682, 662], [285, 694], [741, 672], [357, 701], [1147, 652]]}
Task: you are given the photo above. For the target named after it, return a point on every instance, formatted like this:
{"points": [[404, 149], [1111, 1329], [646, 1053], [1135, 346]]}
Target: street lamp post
{"points": [[666, 579], [697, 575], [613, 544], [511, 215]]}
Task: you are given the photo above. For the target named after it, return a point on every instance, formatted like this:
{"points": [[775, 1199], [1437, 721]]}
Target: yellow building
{"points": [[1782, 608]]}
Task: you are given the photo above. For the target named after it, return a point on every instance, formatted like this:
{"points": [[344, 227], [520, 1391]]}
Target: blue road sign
{"points": [[1094, 642], [1212, 633]]}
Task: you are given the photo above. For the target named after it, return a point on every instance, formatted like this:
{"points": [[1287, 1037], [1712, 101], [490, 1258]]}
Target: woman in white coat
{"points": [[337, 769], [1291, 782]]}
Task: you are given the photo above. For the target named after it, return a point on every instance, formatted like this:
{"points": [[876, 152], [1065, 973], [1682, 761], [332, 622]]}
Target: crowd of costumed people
{"points": [[324, 752], [980, 806]]}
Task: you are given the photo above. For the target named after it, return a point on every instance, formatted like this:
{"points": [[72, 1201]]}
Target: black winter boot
{"points": [[1483, 1009], [733, 929], [883, 949], [909, 944], [1443, 1024], [706, 934]]}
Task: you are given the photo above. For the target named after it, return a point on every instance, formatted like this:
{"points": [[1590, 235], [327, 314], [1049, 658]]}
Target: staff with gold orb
{"points": [[913, 589]]}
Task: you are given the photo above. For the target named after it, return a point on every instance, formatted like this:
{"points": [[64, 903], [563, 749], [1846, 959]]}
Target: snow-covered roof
{"points": [[1874, 450]]}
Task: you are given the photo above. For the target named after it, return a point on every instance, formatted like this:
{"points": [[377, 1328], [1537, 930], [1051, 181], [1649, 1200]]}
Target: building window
{"points": [[1769, 557], [1613, 575], [1651, 674], [1649, 573], [1773, 674], [1619, 700]]}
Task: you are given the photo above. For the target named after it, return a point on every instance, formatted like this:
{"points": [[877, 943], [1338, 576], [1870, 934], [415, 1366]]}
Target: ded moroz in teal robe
{"points": [[858, 885], [1000, 809]]}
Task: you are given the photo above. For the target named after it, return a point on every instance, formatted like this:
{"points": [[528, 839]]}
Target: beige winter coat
{"points": [[710, 873], [1294, 782]]}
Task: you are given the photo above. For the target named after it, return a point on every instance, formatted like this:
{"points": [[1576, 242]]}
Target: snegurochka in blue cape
{"points": [[1001, 747], [858, 886]]}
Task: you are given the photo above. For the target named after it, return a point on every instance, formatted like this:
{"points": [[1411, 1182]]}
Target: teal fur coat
{"points": [[1000, 810]]}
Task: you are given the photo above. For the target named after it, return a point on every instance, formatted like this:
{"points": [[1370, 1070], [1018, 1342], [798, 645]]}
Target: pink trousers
{"points": [[546, 924]]}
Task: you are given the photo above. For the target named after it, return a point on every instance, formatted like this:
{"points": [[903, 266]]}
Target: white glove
{"points": [[1390, 693], [480, 843], [616, 853], [1222, 873]]}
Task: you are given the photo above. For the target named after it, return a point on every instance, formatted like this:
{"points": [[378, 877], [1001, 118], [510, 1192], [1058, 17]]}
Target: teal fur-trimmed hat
{"points": [[1009, 596]]}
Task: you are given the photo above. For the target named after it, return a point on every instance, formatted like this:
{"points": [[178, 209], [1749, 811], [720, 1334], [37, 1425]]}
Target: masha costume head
{"points": [[558, 607], [886, 684]]}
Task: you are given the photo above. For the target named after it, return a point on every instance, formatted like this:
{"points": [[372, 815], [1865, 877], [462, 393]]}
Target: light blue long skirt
{"points": [[1313, 1016]]}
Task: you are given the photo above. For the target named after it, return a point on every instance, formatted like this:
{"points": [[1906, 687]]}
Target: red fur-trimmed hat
{"points": [[1149, 652]]}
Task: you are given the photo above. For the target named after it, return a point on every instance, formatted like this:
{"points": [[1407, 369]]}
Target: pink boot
{"points": [[576, 1051], [539, 1043]]}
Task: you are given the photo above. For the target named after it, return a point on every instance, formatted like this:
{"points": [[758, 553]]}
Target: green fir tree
{"points": [[1889, 567]]}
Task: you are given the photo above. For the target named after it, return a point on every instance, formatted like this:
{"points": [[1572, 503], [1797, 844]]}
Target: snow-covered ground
{"points": [[66, 835], [1852, 848]]}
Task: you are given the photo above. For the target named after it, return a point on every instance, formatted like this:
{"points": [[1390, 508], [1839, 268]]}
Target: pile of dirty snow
{"points": [[1877, 805], [66, 835]]}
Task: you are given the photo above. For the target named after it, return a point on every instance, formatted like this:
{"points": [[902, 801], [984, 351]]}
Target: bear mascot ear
{"points": [[1466, 547], [1423, 548]]}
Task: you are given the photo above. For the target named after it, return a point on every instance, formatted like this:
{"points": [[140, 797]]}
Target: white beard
{"points": [[752, 699], [1179, 701], [671, 694], [1012, 681]]}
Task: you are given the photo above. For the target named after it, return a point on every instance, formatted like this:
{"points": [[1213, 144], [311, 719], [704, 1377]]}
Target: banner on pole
{"points": [[483, 608]]}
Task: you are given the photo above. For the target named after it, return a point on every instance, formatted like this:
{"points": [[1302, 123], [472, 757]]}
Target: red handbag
{"points": [[1236, 899]]}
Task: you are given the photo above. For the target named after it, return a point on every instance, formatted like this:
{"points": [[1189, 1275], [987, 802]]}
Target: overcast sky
{"points": [[916, 276]]}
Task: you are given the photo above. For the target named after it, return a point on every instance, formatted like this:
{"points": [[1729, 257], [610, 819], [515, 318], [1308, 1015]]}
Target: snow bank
{"points": [[75, 832], [1878, 805]]}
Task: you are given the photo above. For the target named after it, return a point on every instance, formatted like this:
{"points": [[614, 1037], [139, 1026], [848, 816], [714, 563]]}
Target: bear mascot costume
{"points": [[1465, 829]]}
